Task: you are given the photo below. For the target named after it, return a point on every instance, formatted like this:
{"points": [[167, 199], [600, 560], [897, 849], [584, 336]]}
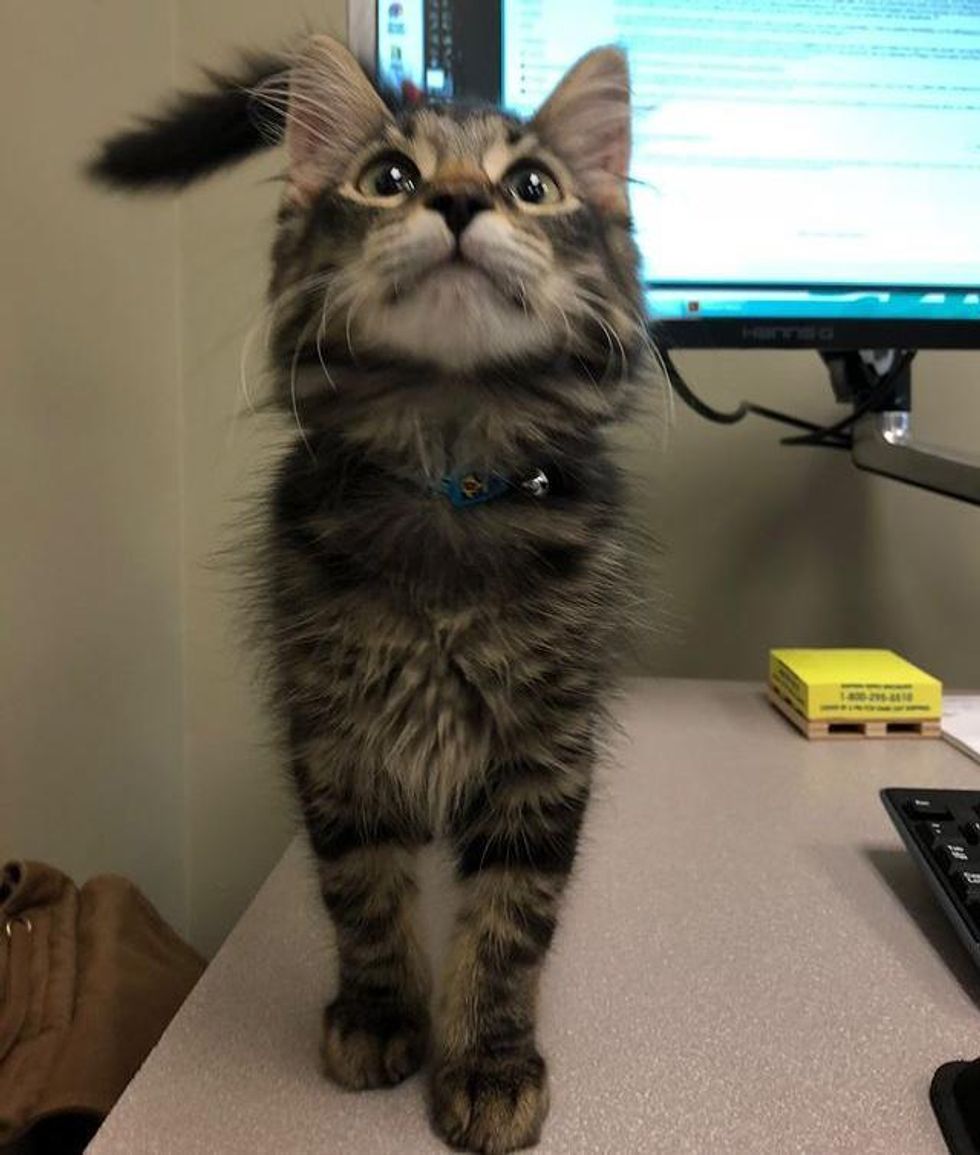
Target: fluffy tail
{"points": [[197, 134]]}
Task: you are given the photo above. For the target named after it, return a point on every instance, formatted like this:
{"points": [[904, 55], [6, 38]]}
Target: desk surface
{"points": [[748, 963]]}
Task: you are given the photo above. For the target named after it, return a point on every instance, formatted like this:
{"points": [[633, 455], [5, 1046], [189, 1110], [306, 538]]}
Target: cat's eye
{"points": [[532, 184], [389, 176]]}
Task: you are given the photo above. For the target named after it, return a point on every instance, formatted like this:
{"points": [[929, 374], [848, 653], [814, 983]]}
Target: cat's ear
{"points": [[587, 120], [332, 111]]}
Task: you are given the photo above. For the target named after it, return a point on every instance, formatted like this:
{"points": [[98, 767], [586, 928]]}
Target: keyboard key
{"points": [[971, 832], [955, 852], [966, 879], [933, 833], [927, 808]]}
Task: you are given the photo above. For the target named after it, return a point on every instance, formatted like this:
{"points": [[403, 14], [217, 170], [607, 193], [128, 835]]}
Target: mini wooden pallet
{"points": [[823, 728]]}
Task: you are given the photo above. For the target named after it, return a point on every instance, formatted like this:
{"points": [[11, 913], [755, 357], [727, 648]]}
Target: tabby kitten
{"points": [[456, 320]]}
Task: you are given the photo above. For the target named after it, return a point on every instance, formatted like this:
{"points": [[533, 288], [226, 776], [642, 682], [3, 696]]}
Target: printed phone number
{"points": [[901, 697]]}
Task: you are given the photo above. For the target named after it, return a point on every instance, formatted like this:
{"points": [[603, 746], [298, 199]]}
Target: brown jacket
{"points": [[89, 979]]}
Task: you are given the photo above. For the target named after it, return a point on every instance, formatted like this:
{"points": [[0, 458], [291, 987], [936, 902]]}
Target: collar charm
{"points": [[466, 489]]}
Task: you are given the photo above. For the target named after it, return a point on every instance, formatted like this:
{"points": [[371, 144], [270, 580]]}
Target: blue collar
{"points": [[467, 488]]}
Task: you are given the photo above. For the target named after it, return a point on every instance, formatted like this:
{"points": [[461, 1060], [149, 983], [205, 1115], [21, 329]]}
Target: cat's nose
{"points": [[458, 208]]}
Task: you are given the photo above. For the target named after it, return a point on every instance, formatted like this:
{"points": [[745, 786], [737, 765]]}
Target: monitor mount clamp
{"points": [[882, 440]]}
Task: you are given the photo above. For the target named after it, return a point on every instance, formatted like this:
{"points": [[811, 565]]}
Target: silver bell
{"points": [[537, 485]]}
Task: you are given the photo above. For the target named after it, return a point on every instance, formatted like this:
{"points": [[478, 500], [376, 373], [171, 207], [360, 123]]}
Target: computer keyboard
{"points": [[941, 829]]}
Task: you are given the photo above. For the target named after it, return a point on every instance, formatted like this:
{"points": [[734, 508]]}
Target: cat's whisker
{"points": [[593, 315], [320, 334], [650, 346], [668, 391], [569, 331], [245, 394], [285, 106], [348, 325], [263, 323], [289, 296], [323, 364], [610, 337], [356, 302], [585, 295], [294, 367], [522, 296]]}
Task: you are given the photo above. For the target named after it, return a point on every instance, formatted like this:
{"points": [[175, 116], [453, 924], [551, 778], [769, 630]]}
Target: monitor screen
{"points": [[804, 171]]}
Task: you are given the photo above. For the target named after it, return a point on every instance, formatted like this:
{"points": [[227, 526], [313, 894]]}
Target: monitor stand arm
{"points": [[882, 437]]}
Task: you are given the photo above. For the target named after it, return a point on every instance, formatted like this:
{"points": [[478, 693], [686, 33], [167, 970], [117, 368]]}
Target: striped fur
{"points": [[444, 671]]}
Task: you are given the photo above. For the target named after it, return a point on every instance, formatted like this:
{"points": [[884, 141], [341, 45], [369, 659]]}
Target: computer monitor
{"points": [[806, 173]]}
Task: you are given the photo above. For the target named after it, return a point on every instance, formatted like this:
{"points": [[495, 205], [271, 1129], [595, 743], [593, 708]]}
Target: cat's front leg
{"points": [[515, 844], [375, 1032]]}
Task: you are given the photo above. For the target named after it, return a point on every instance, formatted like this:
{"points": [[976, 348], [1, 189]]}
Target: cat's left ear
{"points": [[332, 111], [587, 120]]}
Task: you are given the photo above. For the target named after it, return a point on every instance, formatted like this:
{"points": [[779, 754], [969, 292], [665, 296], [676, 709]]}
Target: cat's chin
{"points": [[458, 317], [458, 283]]}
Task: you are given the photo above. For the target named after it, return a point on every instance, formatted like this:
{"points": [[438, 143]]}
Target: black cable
{"points": [[690, 398], [822, 435], [877, 394]]}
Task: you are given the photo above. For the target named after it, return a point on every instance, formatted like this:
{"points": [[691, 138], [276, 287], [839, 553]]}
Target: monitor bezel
{"points": [[828, 334], [756, 332], [362, 33]]}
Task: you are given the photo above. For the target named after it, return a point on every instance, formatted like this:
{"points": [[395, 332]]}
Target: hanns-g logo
{"points": [[788, 334]]}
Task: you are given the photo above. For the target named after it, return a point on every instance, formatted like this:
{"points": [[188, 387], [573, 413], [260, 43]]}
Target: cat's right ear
{"points": [[331, 112]]}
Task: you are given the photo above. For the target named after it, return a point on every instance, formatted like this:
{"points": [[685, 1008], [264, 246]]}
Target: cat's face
{"points": [[455, 239], [459, 241]]}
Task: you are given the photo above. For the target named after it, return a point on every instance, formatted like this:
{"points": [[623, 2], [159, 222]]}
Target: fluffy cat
{"points": [[457, 320]]}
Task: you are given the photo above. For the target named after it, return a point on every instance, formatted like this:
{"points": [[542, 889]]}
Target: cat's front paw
{"points": [[491, 1105], [368, 1044]]}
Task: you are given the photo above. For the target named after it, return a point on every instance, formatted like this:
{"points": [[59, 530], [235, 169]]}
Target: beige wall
{"points": [[239, 809], [134, 736], [90, 684], [769, 546]]}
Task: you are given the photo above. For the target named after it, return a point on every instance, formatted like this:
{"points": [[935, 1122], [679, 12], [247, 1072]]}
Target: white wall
{"points": [[133, 735]]}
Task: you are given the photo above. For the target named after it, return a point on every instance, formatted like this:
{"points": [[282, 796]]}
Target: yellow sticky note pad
{"points": [[854, 685]]}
